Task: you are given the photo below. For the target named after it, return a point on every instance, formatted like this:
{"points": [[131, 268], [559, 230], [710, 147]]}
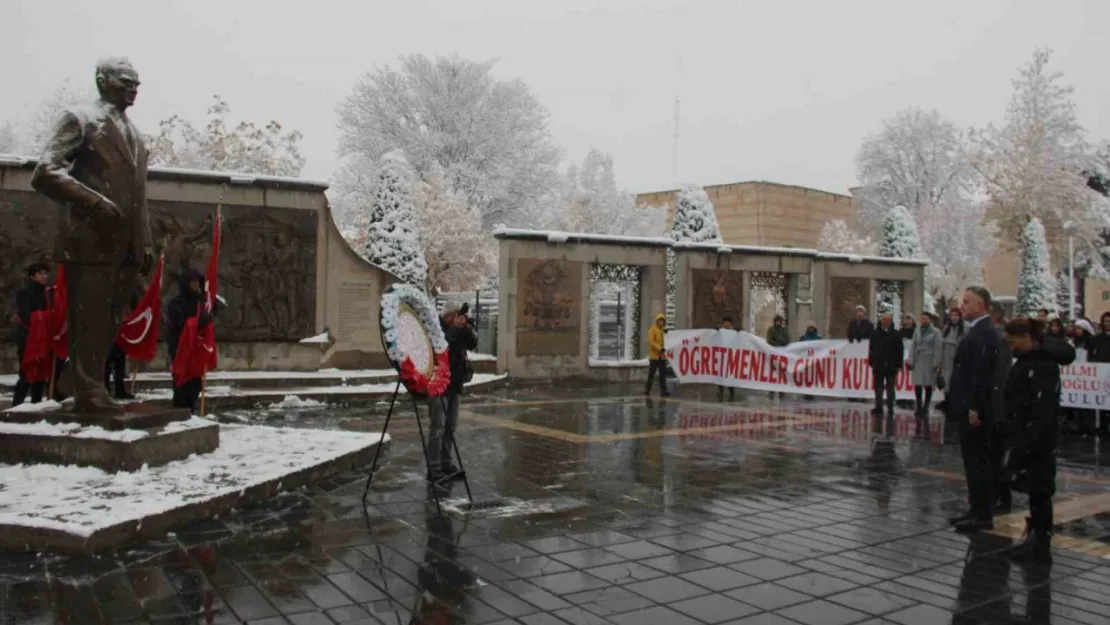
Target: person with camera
{"points": [[1032, 427], [444, 409]]}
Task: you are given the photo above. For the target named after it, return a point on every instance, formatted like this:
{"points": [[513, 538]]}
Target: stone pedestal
{"points": [[135, 416], [142, 435]]}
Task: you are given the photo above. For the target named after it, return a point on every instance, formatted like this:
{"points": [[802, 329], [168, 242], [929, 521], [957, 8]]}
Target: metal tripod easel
{"points": [[450, 433]]}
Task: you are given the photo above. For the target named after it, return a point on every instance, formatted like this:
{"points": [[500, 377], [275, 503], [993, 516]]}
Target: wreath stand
{"points": [[449, 433]]}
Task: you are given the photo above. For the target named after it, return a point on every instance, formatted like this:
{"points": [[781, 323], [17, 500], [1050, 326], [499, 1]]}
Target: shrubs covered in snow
{"points": [[1036, 287], [695, 221], [393, 241]]}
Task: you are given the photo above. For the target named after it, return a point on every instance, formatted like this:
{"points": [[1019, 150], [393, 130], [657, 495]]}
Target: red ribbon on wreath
{"points": [[418, 383]]}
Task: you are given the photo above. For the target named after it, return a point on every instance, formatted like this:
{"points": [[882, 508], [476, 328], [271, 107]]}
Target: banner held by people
{"points": [[828, 368]]}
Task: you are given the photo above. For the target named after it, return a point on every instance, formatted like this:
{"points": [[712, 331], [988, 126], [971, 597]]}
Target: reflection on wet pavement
{"points": [[617, 510]]}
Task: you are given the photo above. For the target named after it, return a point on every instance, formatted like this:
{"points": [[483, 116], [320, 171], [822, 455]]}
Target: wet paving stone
{"points": [[781, 516]]}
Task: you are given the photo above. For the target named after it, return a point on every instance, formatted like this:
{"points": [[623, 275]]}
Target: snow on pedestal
{"points": [[1036, 288], [81, 508]]}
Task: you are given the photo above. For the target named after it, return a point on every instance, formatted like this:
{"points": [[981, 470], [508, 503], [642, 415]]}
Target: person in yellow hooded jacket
{"points": [[656, 356]]}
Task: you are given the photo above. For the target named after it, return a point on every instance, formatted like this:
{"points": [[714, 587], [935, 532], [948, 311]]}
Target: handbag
{"points": [[468, 374], [940, 381]]}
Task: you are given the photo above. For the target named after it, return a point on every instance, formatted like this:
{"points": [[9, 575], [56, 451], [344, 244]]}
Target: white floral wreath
{"points": [[428, 378]]}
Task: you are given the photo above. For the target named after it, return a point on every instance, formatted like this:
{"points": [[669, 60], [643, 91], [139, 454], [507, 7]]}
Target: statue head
{"points": [[117, 81]]}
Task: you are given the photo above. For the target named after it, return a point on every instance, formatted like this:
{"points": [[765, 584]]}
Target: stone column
{"points": [[820, 297], [912, 297], [746, 303], [653, 299], [506, 305], [799, 304], [683, 291]]}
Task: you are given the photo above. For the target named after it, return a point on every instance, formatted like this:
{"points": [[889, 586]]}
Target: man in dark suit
{"points": [[95, 167], [971, 405], [860, 328], [886, 353]]}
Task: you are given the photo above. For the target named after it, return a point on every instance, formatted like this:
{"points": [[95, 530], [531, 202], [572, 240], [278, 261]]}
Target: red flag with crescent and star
{"points": [[138, 334], [208, 333], [196, 349], [59, 315]]}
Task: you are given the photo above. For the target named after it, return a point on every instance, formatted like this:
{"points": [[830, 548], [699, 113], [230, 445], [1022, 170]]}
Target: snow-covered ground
{"points": [[82, 500]]}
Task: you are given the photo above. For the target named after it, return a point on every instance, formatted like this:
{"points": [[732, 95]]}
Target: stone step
{"points": [[149, 381], [225, 397]]}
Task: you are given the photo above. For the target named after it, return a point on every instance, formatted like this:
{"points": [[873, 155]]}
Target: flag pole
{"points": [[53, 374], [134, 375], [203, 392]]}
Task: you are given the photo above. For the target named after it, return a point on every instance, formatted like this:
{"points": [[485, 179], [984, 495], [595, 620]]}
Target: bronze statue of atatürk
{"points": [[95, 166]]}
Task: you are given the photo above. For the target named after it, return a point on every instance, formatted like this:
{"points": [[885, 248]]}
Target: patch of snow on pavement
{"points": [[82, 500], [43, 406], [293, 402]]}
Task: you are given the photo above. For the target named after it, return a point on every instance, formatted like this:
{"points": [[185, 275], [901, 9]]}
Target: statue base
{"points": [[108, 450], [133, 417]]}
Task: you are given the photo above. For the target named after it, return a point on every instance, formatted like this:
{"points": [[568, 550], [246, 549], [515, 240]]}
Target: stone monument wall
{"points": [[277, 240]]}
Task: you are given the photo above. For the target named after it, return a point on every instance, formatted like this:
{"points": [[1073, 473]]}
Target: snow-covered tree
{"points": [[1035, 165], [587, 200], [920, 160], [956, 239], [28, 134], [695, 221], [837, 236], [393, 240], [9, 139], [219, 146], [900, 240], [917, 160], [459, 254], [351, 195], [489, 135], [899, 235], [1036, 286]]}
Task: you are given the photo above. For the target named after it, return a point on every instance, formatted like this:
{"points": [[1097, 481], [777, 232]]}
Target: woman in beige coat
{"points": [[925, 360]]}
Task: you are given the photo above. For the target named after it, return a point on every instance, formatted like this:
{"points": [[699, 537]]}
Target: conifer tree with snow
{"points": [[393, 240], [695, 221], [899, 235], [900, 240], [1036, 287]]}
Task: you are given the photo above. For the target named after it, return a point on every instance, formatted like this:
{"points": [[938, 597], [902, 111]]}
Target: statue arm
{"points": [[51, 177]]}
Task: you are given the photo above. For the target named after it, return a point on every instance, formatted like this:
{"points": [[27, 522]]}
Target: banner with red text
{"points": [[832, 368], [1085, 385]]}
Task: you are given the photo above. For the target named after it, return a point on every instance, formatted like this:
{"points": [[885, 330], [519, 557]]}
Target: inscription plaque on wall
{"points": [[549, 307], [357, 319], [844, 295], [717, 294]]}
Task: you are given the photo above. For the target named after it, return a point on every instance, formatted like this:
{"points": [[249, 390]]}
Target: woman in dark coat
{"points": [[909, 326], [1100, 342], [1032, 426]]}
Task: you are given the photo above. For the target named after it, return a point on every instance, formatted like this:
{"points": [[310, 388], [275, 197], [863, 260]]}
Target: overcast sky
{"points": [[771, 90]]}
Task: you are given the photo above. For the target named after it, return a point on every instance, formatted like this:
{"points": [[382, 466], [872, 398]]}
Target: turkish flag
{"points": [[138, 334], [207, 334], [196, 348], [59, 316], [36, 354]]}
